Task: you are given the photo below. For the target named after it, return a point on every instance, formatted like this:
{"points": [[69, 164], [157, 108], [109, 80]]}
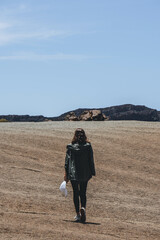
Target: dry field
{"points": [[123, 200]]}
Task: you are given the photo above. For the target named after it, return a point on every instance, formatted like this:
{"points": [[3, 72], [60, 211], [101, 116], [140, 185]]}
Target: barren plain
{"points": [[123, 200]]}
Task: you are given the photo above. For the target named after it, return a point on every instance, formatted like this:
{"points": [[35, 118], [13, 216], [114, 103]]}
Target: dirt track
{"points": [[123, 199]]}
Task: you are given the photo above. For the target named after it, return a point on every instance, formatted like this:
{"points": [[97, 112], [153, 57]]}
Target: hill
{"points": [[121, 112]]}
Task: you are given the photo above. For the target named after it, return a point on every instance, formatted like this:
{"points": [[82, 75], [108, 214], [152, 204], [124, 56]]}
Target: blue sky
{"points": [[60, 55]]}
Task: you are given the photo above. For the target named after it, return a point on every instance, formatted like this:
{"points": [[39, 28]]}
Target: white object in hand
{"points": [[63, 188]]}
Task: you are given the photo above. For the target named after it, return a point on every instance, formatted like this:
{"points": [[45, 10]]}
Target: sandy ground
{"points": [[123, 200]]}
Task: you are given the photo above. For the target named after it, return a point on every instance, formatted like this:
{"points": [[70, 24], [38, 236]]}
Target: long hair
{"points": [[79, 136]]}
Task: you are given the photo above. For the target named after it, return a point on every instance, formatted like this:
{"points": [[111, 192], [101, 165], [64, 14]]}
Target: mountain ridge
{"points": [[118, 112]]}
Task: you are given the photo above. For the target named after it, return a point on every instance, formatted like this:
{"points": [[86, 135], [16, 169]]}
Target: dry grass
{"points": [[123, 199]]}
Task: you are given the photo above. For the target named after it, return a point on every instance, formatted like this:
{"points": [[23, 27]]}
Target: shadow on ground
{"points": [[91, 223]]}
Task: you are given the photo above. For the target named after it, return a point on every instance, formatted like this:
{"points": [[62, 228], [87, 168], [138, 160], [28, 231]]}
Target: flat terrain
{"points": [[123, 199]]}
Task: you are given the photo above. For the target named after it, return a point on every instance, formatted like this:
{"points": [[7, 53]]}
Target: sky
{"points": [[60, 55]]}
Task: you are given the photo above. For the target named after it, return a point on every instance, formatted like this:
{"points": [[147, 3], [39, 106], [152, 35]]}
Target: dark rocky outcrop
{"points": [[131, 112], [121, 112], [23, 118]]}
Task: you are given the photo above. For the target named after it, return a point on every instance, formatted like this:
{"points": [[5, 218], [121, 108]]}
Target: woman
{"points": [[79, 168]]}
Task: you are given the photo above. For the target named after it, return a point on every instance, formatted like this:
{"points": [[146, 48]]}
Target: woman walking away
{"points": [[79, 168]]}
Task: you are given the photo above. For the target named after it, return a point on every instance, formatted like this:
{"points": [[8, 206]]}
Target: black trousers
{"points": [[79, 192]]}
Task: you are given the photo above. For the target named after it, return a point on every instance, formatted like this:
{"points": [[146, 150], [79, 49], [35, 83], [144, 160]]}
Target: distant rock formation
{"points": [[91, 115], [71, 117], [23, 118], [87, 115], [131, 112], [121, 112]]}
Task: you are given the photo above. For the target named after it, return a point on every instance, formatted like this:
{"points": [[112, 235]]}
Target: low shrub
{"points": [[3, 120]]}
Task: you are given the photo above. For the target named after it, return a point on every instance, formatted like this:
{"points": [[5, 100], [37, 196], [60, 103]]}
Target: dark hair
{"points": [[79, 136]]}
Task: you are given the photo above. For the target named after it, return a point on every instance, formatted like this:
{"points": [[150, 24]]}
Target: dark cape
{"points": [[79, 162]]}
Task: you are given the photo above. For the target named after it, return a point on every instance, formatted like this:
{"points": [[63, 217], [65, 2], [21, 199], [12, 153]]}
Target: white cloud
{"points": [[14, 27], [43, 57], [7, 37]]}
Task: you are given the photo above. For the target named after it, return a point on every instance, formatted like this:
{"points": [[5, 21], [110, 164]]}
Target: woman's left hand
{"points": [[66, 179]]}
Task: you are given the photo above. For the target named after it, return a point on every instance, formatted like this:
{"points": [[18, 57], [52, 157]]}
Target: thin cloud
{"points": [[6, 38], [38, 57], [14, 28], [10, 10]]}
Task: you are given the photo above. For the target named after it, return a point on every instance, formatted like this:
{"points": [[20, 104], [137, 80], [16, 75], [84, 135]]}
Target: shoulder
{"points": [[88, 144], [70, 146], [77, 146]]}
